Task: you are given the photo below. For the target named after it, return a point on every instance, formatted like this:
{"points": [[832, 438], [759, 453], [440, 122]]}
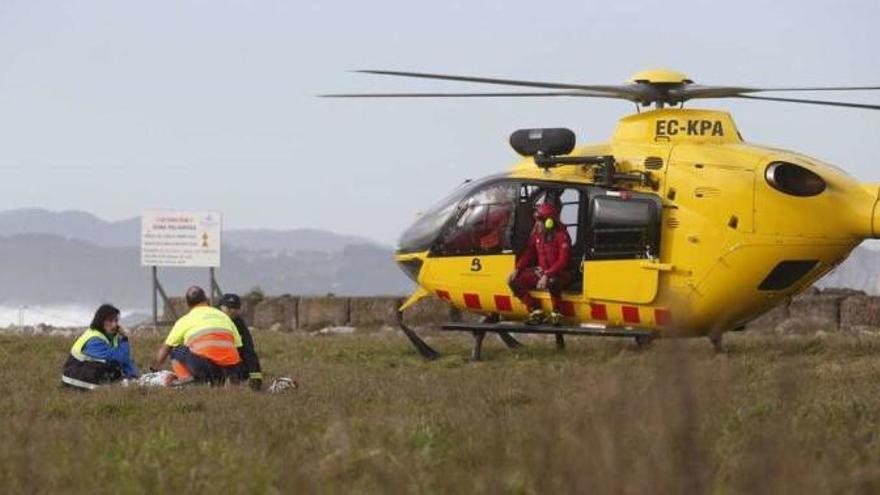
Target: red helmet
{"points": [[546, 210]]}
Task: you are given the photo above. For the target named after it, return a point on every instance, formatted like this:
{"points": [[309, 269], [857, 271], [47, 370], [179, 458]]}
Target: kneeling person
{"points": [[250, 366], [544, 265], [203, 344], [100, 355]]}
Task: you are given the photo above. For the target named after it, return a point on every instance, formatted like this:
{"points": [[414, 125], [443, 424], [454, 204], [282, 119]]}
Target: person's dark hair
{"points": [[195, 295], [104, 313]]}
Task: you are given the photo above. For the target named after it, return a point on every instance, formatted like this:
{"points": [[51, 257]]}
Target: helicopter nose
{"points": [[411, 266]]}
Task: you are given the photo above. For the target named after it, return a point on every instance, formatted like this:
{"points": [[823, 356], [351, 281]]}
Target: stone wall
{"points": [[829, 310], [294, 313]]}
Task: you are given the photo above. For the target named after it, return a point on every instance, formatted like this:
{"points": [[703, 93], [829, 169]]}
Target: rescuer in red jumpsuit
{"points": [[544, 265]]}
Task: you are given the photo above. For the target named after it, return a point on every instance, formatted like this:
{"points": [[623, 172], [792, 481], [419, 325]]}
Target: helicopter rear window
{"points": [[623, 228], [793, 179]]}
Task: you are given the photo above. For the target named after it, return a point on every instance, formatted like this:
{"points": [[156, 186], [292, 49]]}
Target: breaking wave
{"points": [[54, 315]]}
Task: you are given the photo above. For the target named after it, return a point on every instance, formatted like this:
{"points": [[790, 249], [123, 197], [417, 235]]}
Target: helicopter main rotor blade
{"points": [[822, 88], [538, 94], [640, 92], [696, 91], [625, 92], [811, 102]]}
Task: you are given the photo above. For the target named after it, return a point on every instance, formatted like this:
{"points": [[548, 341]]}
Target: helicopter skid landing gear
{"points": [[424, 349], [560, 342], [478, 330], [643, 341], [508, 339], [477, 352]]}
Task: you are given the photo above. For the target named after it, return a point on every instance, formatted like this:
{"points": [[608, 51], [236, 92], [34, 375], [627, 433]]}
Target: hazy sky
{"points": [[117, 106]]}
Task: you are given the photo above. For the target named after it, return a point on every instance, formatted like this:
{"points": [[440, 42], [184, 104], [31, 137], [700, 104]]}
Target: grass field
{"points": [[799, 415]]}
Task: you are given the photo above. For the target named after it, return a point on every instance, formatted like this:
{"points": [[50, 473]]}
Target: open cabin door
{"points": [[622, 246]]}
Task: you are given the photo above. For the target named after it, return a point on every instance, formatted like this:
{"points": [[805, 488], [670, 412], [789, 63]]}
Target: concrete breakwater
{"points": [[829, 310]]}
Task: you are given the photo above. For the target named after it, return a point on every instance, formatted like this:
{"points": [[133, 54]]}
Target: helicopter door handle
{"points": [[660, 267]]}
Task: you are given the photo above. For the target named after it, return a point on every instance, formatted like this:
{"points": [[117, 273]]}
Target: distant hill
{"points": [[83, 226], [291, 241], [77, 225], [74, 257]]}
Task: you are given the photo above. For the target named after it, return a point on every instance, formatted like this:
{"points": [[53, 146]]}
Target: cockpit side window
{"points": [[422, 234], [484, 223]]}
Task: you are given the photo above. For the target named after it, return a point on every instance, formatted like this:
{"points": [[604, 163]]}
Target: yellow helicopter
{"points": [[678, 226]]}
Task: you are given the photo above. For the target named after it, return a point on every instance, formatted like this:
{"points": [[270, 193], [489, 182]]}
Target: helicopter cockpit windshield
{"points": [[422, 234]]}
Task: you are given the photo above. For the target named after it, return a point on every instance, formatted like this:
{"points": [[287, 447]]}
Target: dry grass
{"points": [[771, 416]]}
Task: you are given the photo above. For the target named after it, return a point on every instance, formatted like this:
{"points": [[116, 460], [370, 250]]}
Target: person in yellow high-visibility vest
{"points": [[100, 355], [203, 344]]}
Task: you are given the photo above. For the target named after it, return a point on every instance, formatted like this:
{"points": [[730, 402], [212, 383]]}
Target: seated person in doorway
{"points": [[250, 365], [203, 344], [100, 355], [544, 265]]}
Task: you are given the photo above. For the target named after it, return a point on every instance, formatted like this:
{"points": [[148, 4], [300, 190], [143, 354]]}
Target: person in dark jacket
{"points": [[100, 355], [544, 265], [250, 366]]}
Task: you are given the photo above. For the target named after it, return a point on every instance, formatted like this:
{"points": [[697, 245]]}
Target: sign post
{"points": [[183, 239]]}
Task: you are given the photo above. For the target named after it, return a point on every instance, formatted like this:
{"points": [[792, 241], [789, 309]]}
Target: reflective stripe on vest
{"points": [[199, 334], [78, 383], [77, 350], [216, 344], [205, 343]]}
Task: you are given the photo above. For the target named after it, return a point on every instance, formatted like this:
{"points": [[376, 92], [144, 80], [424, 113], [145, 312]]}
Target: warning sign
{"points": [[180, 238]]}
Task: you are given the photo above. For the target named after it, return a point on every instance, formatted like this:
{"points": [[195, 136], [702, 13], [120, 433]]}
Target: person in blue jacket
{"points": [[101, 354]]}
